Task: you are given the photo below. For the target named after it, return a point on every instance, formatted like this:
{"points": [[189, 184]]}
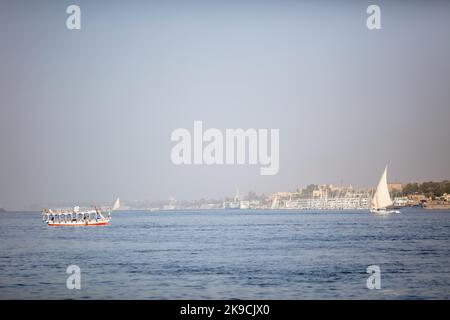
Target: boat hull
{"points": [[78, 224], [383, 212]]}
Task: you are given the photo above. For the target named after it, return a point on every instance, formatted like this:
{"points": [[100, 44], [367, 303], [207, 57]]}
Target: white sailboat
{"points": [[116, 205], [275, 203], [381, 199]]}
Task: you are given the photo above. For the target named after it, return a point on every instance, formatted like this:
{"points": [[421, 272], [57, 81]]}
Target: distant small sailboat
{"points": [[381, 200], [116, 205], [274, 203]]}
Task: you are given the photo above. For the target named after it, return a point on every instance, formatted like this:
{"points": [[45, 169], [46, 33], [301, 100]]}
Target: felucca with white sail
{"points": [[381, 199]]}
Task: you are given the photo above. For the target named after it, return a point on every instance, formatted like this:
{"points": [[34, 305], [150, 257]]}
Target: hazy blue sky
{"points": [[87, 115]]}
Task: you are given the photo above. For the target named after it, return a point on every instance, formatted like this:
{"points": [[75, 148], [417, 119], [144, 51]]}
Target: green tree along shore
{"points": [[429, 189]]}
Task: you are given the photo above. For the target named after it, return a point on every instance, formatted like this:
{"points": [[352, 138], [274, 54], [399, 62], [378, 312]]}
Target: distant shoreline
{"points": [[424, 210]]}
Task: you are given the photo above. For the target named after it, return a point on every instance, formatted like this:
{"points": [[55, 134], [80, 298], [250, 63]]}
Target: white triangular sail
{"points": [[116, 205], [381, 199], [274, 203]]}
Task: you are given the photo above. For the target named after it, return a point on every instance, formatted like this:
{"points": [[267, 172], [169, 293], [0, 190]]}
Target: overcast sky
{"points": [[87, 115]]}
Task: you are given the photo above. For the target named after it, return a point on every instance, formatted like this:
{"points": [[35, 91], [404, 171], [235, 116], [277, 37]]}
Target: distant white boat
{"points": [[116, 205], [78, 217], [75, 218], [236, 203], [274, 203], [381, 200]]}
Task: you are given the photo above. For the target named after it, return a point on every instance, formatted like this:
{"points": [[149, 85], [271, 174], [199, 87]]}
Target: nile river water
{"points": [[229, 255]]}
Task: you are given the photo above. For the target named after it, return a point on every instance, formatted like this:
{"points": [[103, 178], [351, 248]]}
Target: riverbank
{"points": [[437, 205]]}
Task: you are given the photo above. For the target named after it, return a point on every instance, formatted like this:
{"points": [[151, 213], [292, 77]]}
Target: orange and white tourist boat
{"points": [[78, 217]]}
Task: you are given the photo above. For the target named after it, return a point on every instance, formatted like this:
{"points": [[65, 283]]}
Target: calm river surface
{"points": [[234, 254]]}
